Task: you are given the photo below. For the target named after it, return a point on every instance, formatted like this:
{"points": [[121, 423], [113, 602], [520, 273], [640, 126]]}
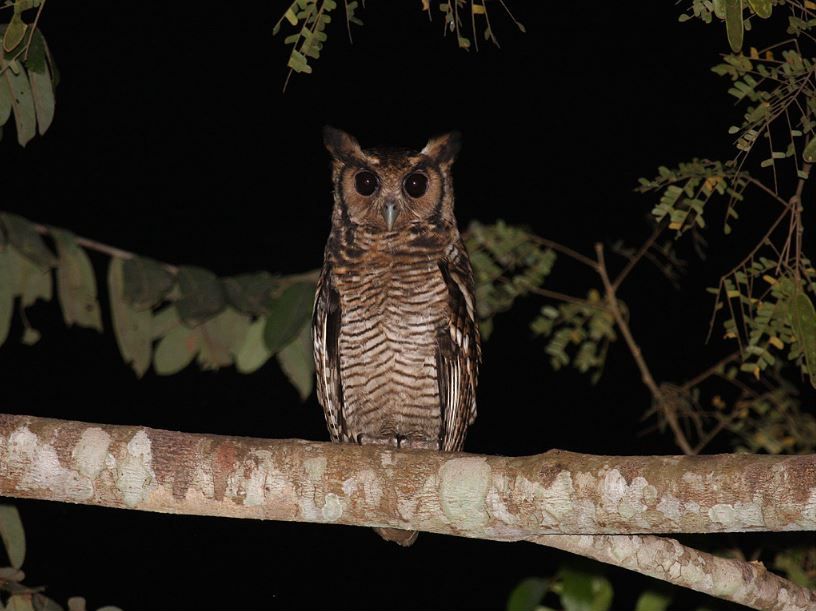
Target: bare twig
{"points": [[565, 250], [634, 349], [567, 298], [701, 377], [639, 254]]}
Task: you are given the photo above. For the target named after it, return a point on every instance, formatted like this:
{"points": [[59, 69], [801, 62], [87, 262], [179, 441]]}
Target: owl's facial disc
{"points": [[390, 213]]}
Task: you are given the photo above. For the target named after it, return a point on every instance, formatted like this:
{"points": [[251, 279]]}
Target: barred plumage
{"points": [[396, 342]]}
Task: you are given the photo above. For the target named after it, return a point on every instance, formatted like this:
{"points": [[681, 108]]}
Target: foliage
{"points": [[161, 315], [799, 565], [508, 263], [27, 74], [686, 189], [310, 18], [767, 298], [578, 588], [589, 327], [16, 595]]}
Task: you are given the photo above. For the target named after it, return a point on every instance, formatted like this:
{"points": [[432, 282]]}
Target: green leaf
{"points": [[221, 338], [76, 283], [202, 295], [527, 595], [22, 234], [15, 80], [164, 321], [250, 293], [253, 353], [37, 55], [803, 315], [809, 154], [15, 32], [6, 297], [43, 603], [653, 601], [287, 315], [298, 62], [20, 602], [13, 535], [146, 282], [584, 591], [31, 336], [5, 101], [762, 8], [733, 24], [176, 350], [133, 328], [42, 94], [28, 280], [297, 362]]}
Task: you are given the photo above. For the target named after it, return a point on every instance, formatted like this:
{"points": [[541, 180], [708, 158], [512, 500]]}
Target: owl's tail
{"points": [[401, 537]]}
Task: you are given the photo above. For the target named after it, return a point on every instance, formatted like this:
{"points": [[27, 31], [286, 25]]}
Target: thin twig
{"points": [[645, 374], [565, 250], [709, 372], [639, 254], [568, 299]]}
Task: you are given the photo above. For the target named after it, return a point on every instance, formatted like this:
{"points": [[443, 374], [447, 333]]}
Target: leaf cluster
{"points": [[735, 14], [28, 75], [162, 316], [578, 587], [579, 334], [454, 12], [508, 262], [685, 191]]}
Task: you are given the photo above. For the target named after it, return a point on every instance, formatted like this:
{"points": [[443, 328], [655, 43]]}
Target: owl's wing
{"points": [[326, 334], [458, 352]]}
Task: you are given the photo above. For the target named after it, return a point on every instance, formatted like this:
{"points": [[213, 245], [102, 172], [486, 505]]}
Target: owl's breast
{"points": [[392, 308]]}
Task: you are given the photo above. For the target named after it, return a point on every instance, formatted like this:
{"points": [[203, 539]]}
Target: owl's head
{"points": [[392, 189]]}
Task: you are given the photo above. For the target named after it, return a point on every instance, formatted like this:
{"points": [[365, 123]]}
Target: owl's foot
{"points": [[419, 444], [398, 441], [365, 440]]}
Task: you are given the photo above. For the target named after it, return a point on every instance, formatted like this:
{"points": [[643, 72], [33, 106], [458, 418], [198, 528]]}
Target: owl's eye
{"points": [[365, 183], [416, 184]]}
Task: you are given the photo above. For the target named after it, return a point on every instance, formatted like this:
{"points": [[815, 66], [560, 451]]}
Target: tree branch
{"points": [[748, 583], [488, 497]]}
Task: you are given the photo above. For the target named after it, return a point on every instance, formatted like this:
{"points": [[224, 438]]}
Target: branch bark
{"points": [[488, 497]]}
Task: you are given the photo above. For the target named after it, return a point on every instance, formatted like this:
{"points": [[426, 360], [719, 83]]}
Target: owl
{"points": [[396, 341]]}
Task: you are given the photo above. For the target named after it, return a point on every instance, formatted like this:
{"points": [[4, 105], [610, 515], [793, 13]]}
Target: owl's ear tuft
{"points": [[443, 149], [341, 146]]}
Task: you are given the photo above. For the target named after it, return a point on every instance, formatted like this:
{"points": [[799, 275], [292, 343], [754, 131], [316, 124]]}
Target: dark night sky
{"points": [[172, 139]]}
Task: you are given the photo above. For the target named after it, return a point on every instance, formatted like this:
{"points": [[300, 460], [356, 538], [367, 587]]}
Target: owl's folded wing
{"points": [[326, 334], [458, 352]]}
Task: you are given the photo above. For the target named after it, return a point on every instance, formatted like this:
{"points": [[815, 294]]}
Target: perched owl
{"points": [[396, 343]]}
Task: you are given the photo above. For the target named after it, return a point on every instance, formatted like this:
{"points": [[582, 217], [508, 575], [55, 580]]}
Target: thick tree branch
{"points": [[748, 583], [489, 497]]}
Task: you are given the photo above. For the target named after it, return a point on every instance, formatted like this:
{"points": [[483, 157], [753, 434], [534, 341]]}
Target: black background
{"points": [[172, 139]]}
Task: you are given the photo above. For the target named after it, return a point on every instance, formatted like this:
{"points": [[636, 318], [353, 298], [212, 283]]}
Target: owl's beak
{"points": [[390, 213]]}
